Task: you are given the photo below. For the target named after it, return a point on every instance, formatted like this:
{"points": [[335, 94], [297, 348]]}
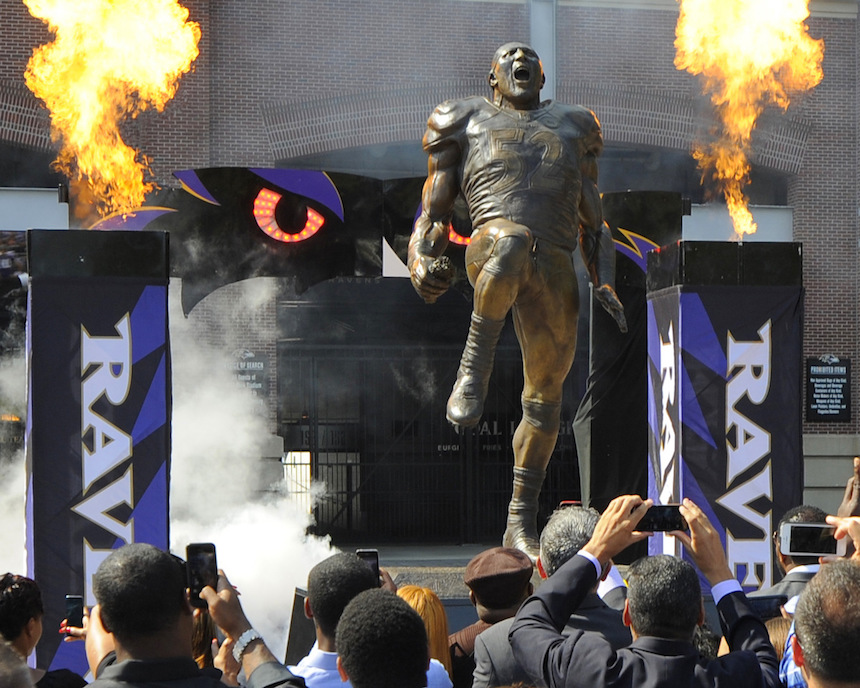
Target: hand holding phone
{"points": [[74, 611], [662, 518], [202, 569], [810, 540], [371, 558]]}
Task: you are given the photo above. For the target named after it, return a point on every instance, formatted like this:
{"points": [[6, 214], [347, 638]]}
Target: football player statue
{"points": [[528, 172]]}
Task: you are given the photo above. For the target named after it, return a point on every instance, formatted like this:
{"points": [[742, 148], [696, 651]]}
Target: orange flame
{"points": [[750, 53], [110, 60]]}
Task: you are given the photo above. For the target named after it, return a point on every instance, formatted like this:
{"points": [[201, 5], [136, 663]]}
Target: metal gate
{"points": [[369, 416]]}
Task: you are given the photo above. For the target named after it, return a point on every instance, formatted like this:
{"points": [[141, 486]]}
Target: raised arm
{"points": [[536, 634]]}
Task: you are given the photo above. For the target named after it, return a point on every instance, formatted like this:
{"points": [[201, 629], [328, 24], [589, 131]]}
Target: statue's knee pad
{"points": [[543, 415]]}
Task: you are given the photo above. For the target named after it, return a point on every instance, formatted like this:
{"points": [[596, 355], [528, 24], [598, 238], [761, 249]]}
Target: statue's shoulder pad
{"points": [[454, 114], [584, 118]]}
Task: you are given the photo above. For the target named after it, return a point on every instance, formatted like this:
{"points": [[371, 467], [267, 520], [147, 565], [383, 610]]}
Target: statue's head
{"points": [[516, 76]]}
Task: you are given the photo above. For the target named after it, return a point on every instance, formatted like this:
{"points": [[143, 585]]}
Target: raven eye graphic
{"points": [[265, 214], [456, 238]]}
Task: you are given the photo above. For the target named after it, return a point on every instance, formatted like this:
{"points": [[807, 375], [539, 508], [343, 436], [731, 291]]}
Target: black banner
{"points": [[98, 431], [725, 412]]}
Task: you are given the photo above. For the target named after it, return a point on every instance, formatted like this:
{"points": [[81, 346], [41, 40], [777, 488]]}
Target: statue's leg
{"points": [[545, 321], [498, 262]]}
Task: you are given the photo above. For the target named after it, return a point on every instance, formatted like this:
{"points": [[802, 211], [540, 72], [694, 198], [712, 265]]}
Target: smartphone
{"points": [[662, 517], [810, 540], [371, 558], [767, 606], [201, 569], [75, 611]]}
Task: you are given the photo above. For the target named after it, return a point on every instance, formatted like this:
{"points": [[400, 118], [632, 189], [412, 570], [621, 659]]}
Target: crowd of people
{"points": [[584, 625]]}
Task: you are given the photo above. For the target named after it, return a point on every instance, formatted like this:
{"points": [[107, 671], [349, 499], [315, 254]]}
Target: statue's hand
{"points": [[609, 300], [431, 277]]}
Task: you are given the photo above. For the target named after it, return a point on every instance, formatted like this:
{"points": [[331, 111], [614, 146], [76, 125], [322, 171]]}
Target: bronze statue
{"points": [[528, 172]]}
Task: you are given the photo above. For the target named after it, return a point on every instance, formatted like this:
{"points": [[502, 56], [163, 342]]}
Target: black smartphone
{"points": [[75, 611], [767, 606], [201, 568], [371, 558], [663, 518]]}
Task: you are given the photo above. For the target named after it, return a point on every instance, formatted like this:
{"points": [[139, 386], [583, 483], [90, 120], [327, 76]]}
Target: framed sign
{"points": [[828, 389]]}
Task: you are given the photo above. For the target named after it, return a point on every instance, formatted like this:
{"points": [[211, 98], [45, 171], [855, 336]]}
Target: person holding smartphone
{"points": [[797, 569], [21, 613], [664, 606], [144, 616]]}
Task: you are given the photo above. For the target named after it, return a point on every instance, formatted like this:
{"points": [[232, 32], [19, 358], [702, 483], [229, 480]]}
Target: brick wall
{"points": [[824, 197]]}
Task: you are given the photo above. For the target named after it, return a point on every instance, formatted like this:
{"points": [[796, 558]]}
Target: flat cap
{"points": [[498, 576]]}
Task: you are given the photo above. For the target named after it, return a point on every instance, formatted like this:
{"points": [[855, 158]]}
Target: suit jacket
{"points": [[586, 659], [494, 660], [793, 584]]}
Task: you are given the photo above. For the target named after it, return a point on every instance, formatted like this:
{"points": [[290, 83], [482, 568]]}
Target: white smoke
{"points": [[12, 490], [13, 485], [219, 438]]}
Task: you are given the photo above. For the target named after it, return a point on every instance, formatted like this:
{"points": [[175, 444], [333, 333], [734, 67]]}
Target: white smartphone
{"points": [[810, 540]]}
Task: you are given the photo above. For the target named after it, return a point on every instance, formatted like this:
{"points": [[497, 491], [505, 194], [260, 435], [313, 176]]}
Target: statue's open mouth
{"points": [[521, 74]]}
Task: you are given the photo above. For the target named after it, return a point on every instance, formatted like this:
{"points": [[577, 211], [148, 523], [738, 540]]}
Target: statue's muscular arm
{"points": [[430, 235], [595, 237], [590, 206]]}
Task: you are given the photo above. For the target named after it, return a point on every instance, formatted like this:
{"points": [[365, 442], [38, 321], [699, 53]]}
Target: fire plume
{"points": [[109, 61], [749, 54]]}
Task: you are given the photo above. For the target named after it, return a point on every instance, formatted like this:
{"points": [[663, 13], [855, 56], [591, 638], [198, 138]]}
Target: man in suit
{"points": [[664, 606], [798, 570], [566, 532]]}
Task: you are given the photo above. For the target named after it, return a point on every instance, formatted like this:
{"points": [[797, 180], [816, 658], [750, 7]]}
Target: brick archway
{"points": [[628, 116]]}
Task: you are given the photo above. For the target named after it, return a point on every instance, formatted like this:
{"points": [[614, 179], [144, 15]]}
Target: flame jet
{"points": [[109, 61], [750, 54]]}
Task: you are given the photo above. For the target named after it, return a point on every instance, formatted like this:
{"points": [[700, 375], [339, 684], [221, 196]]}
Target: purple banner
{"points": [[98, 431], [725, 413]]}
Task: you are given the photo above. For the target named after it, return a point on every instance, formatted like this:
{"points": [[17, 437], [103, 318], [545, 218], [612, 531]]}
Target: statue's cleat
{"points": [[466, 403], [518, 538]]}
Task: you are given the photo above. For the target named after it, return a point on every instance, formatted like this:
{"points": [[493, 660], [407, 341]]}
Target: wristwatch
{"points": [[244, 640]]}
